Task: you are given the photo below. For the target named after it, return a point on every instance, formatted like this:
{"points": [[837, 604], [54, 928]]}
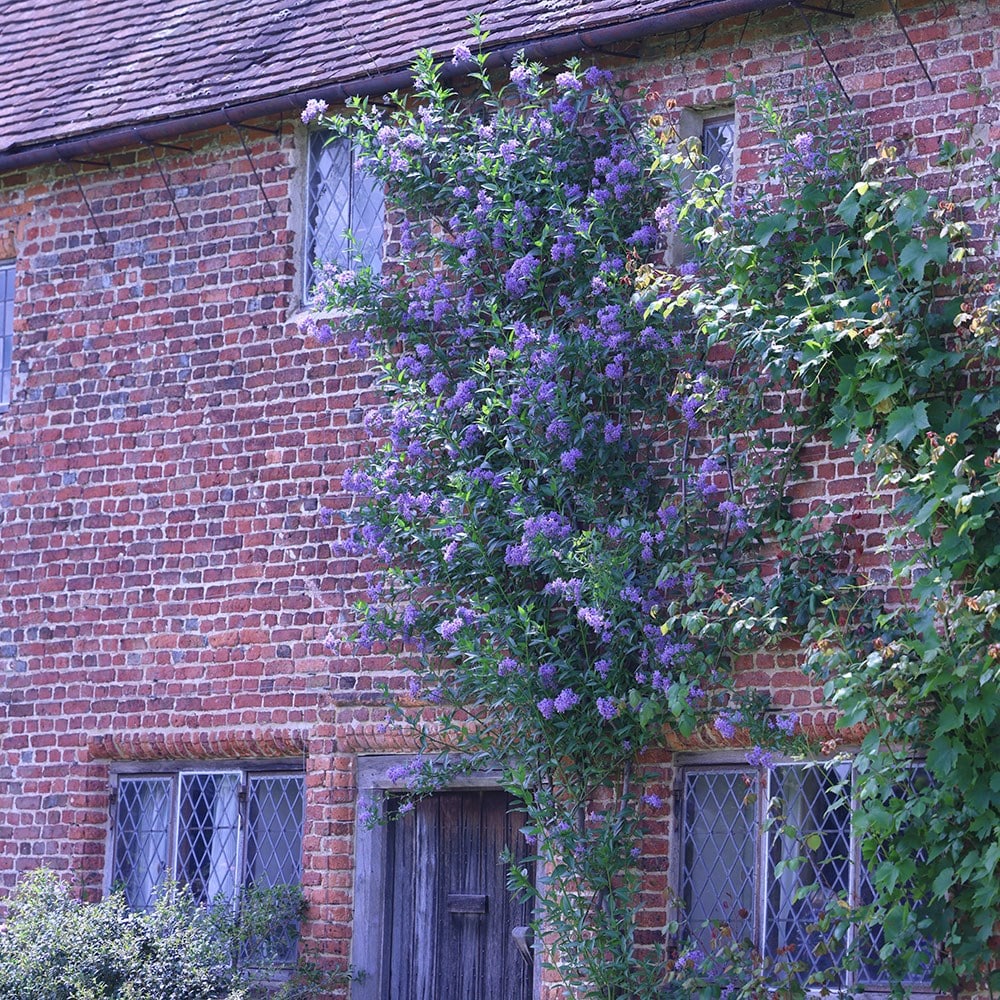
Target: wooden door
{"points": [[449, 918]]}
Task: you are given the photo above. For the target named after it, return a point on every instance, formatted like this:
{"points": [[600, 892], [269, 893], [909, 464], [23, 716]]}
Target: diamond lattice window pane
{"points": [[274, 840], [872, 969], [274, 862], [810, 837], [718, 842], [208, 834], [142, 824], [346, 209], [717, 138]]}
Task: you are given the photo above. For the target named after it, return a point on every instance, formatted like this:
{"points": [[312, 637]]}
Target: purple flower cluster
{"points": [[673, 654], [803, 145], [368, 815], [408, 774], [313, 110], [607, 708], [615, 368], [692, 957], [569, 590], [568, 81], [563, 249], [732, 510], [508, 665], [595, 77], [612, 432], [519, 276], [463, 396], [615, 173], [430, 301], [726, 723], [558, 430], [704, 482], [645, 236], [785, 723], [508, 151], [449, 629], [666, 217], [594, 617], [759, 757], [521, 76], [566, 110], [552, 526], [566, 699], [569, 459]]}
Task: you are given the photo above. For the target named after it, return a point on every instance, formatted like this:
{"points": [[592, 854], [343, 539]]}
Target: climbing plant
{"points": [[583, 457], [861, 294]]}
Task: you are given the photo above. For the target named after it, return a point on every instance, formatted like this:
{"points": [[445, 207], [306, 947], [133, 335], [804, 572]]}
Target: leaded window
{"points": [[718, 135], [345, 209], [217, 831], [766, 853], [6, 330]]}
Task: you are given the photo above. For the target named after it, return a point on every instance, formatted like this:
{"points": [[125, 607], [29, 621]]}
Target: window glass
{"points": [[718, 134], [769, 865], [142, 824], [274, 841], [345, 209], [208, 831], [6, 330], [720, 831], [808, 860], [199, 827]]}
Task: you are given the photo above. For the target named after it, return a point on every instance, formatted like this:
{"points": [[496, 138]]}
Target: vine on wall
{"points": [[581, 461]]}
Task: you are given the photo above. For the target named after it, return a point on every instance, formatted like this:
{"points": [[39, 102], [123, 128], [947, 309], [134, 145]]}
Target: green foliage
{"points": [[851, 284], [583, 460], [730, 970], [53, 946]]}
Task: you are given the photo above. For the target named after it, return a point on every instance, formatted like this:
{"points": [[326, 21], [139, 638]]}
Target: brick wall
{"points": [[165, 585]]}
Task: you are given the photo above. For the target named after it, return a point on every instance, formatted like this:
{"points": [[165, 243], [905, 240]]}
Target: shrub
{"points": [[57, 947]]}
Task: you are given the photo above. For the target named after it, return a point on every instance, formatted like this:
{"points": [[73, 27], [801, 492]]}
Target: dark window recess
{"points": [[6, 330], [345, 210]]}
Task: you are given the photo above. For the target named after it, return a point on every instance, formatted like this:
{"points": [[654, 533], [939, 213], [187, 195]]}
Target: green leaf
{"points": [[772, 224], [949, 719], [915, 257], [849, 208], [878, 391], [906, 422]]}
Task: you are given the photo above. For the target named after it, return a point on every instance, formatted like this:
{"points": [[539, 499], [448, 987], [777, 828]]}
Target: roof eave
{"points": [[693, 14]]}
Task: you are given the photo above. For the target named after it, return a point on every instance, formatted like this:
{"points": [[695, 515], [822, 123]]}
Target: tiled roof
{"points": [[73, 67]]}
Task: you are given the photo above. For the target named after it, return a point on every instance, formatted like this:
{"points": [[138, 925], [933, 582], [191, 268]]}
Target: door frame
{"points": [[368, 931]]}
